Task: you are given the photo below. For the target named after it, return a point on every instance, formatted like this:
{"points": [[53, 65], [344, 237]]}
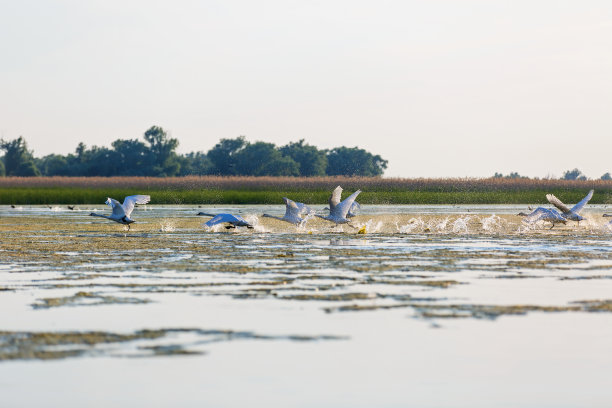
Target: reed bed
{"points": [[265, 190]]}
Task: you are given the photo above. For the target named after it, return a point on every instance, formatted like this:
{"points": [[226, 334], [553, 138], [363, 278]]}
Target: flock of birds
{"points": [[340, 211], [296, 213]]}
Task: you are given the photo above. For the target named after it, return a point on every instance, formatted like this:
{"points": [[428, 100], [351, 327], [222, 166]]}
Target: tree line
{"points": [[574, 174], [156, 156]]}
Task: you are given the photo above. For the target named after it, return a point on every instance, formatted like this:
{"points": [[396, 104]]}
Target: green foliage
{"points": [[162, 149], [264, 159], [352, 161], [63, 195], [18, 160], [312, 161], [2, 169], [195, 163], [512, 175], [156, 157], [223, 155], [573, 175]]}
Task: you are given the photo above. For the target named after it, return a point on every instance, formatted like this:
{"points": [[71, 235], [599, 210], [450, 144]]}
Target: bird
{"points": [[338, 211], [334, 200], [121, 212], [544, 214], [233, 220], [293, 211], [352, 212], [607, 215], [571, 214]]}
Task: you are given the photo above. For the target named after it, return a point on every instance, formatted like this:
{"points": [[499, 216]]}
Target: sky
{"points": [[438, 88]]}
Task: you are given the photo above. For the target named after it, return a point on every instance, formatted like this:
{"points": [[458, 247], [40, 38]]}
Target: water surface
{"points": [[434, 306]]}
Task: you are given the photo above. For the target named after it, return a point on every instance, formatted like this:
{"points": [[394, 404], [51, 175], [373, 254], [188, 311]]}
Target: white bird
{"points": [[544, 214], [233, 220], [353, 211], [121, 212], [339, 210], [293, 211], [570, 213], [334, 200]]}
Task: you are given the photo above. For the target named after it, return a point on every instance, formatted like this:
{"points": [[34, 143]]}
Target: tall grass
{"points": [[263, 190]]}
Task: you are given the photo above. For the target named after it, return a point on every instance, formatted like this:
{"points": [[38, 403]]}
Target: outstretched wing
{"points": [[217, 219], [229, 218], [342, 209], [130, 201], [355, 208], [578, 207], [118, 211], [538, 214], [304, 209], [334, 198], [557, 203], [291, 208]]}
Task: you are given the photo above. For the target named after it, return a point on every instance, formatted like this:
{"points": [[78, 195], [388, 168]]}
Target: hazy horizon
{"points": [[437, 88]]}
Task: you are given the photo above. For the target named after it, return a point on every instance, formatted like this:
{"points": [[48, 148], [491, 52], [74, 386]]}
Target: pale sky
{"points": [[439, 88]]}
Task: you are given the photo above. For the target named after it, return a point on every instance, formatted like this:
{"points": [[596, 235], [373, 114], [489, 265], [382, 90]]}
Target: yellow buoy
{"points": [[362, 230]]}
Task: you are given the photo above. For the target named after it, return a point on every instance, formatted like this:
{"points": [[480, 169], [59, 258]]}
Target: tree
{"points": [[264, 159], [573, 175], [134, 158], [2, 169], [606, 176], [18, 160], [312, 161], [223, 155], [53, 165], [196, 163], [353, 161], [163, 150]]}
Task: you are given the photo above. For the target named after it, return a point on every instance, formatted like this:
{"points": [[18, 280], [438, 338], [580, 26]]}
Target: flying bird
{"points": [[544, 214], [293, 211], [338, 211], [334, 200], [233, 221], [572, 214], [121, 212]]}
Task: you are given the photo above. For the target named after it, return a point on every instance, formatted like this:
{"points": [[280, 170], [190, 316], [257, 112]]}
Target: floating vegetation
{"points": [[432, 266], [86, 299], [57, 345]]}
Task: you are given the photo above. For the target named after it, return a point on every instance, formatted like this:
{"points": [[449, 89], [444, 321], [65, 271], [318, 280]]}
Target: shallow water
{"points": [[433, 306]]}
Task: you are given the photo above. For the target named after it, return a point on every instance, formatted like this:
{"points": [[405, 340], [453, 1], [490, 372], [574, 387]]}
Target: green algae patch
{"points": [[149, 343], [86, 299], [57, 345]]}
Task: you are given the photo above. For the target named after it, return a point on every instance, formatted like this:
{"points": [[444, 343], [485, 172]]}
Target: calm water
{"points": [[435, 306]]}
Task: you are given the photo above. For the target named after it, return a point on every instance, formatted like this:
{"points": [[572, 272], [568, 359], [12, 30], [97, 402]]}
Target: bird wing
{"points": [[355, 207], [578, 207], [538, 214], [304, 209], [217, 219], [557, 203], [118, 211], [130, 201], [292, 209], [232, 219], [334, 198], [342, 209]]}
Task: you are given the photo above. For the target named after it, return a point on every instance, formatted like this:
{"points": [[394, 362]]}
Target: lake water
{"points": [[435, 306]]}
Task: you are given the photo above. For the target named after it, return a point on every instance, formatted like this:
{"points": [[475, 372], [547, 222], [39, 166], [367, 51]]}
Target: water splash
{"points": [[414, 225], [493, 224], [460, 225], [167, 226]]}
